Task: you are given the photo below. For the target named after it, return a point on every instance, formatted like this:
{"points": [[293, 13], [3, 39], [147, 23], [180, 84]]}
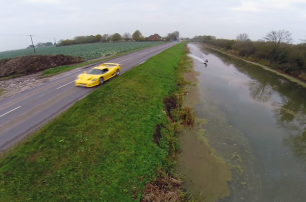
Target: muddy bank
{"points": [[34, 63]]}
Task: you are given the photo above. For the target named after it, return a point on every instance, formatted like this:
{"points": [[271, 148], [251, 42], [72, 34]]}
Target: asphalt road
{"points": [[25, 112]]}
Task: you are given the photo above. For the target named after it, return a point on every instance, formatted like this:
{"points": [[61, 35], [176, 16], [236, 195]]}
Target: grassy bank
{"points": [[61, 69], [109, 146]]}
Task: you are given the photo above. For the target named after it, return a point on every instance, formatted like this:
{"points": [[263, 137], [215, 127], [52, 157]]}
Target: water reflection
{"points": [[270, 111], [290, 112], [291, 117], [298, 145], [260, 91]]}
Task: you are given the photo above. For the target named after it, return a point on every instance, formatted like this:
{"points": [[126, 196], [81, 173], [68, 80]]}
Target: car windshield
{"points": [[94, 71]]}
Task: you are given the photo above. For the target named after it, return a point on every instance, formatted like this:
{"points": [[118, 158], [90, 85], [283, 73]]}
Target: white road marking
{"points": [[41, 95], [142, 53], [65, 85], [142, 62], [69, 74], [125, 60], [10, 111]]}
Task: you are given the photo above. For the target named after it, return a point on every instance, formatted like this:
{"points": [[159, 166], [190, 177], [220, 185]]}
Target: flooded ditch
{"points": [[249, 140]]}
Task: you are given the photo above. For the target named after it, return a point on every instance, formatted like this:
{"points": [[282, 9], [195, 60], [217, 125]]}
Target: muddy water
{"points": [[249, 143]]}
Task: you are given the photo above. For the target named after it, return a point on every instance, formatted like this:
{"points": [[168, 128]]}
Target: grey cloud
{"points": [[68, 18]]}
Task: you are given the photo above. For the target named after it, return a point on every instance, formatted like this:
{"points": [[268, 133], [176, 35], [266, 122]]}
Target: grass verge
{"points": [[109, 146], [10, 77], [61, 69]]}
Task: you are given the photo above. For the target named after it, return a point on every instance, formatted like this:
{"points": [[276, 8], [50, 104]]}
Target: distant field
{"points": [[87, 51]]}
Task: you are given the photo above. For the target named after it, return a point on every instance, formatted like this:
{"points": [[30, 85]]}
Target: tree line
{"points": [[40, 44], [136, 36], [274, 50]]}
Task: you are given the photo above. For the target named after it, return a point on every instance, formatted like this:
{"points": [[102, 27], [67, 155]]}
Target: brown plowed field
{"points": [[34, 63]]}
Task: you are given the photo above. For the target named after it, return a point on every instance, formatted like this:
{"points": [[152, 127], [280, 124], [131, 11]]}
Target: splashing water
{"points": [[196, 57]]}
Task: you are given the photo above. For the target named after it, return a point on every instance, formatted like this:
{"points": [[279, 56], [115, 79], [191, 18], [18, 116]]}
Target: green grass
{"points": [[100, 149], [10, 77], [86, 51]]}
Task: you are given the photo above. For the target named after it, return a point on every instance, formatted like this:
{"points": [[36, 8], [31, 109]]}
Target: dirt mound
{"points": [[34, 63]]}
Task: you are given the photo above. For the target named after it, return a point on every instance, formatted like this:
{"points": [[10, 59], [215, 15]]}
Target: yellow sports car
{"points": [[98, 75]]}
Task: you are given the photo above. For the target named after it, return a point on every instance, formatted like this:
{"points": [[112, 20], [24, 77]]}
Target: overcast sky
{"points": [[62, 19]]}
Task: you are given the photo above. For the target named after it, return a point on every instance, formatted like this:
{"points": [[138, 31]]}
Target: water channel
{"points": [[249, 142]]}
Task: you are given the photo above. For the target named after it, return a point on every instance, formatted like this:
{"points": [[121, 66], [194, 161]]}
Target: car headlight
{"points": [[94, 79]]}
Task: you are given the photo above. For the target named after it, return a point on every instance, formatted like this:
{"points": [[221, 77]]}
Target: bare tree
{"points": [[276, 38], [303, 41], [126, 36], [105, 38], [177, 34], [173, 36], [242, 37]]}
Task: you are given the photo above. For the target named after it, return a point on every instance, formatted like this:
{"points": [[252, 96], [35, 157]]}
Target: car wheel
{"points": [[118, 72], [101, 80]]}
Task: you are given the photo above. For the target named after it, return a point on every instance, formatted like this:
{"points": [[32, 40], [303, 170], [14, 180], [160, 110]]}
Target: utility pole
{"points": [[55, 41], [32, 43]]}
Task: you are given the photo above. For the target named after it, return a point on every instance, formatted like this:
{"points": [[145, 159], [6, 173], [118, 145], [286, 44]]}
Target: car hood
{"points": [[86, 77]]}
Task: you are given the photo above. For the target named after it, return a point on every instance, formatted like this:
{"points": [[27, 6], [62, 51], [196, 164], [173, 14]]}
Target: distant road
{"points": [[25, 112]]}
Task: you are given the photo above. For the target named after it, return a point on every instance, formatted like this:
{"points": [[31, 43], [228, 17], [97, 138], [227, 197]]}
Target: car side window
{"points": [[104, 70]]}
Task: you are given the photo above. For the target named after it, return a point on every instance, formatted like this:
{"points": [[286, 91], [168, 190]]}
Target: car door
{"points": [[106, 74], [112, 71]]}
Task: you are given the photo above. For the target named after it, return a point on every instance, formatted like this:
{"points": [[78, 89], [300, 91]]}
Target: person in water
{"points": [[205, 62]]}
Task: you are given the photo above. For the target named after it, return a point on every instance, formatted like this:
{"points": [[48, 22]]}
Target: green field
{"points": [[102, 148], [87, 51]]}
